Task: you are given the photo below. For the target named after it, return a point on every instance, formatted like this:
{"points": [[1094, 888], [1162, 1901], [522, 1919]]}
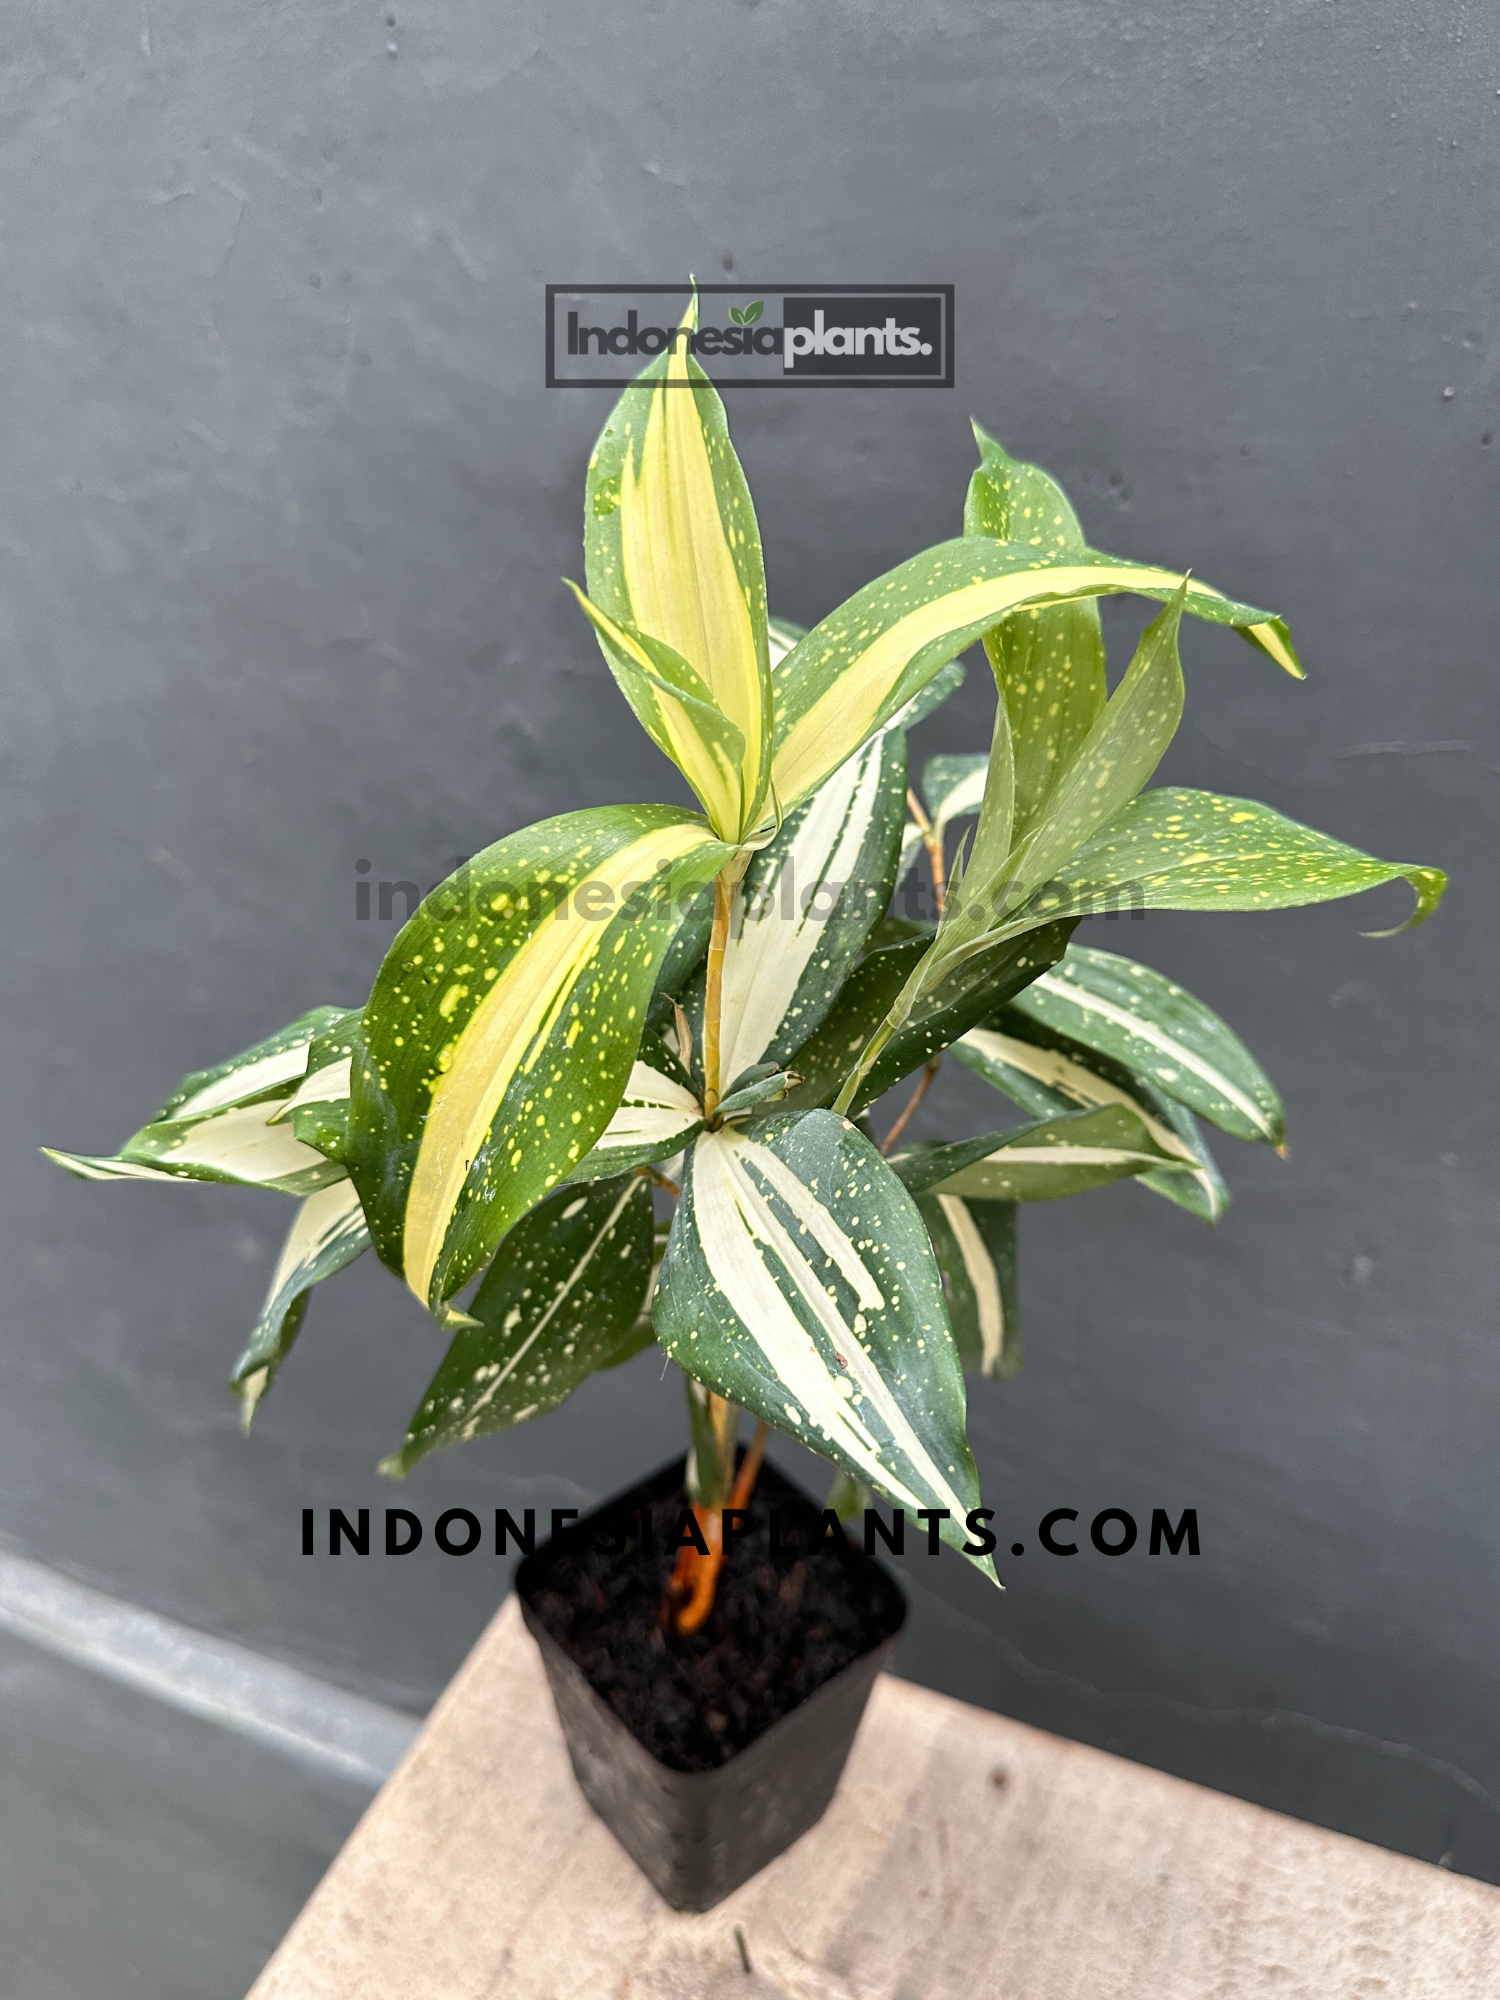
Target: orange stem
{"points": [[699, 1574]]}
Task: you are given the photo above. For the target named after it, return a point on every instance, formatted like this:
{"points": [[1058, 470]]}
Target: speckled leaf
{"points": [[1048, 661], [318, 1110], [656, 1117], [975, 989], [799, 1282], [502, 1028], [1184, 850], [677, 710], [1123, 748], [864, 662], [561, 1300], [953, 787], [975, 1246], [672, 549], [1044, 1074], [221, 1124], [268, 1069], [1038, 1162], [1146, 1021], [807, 904], [237, 1146], [328, 1234]]}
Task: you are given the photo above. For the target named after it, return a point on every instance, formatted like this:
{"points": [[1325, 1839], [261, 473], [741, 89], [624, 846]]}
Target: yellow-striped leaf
{"points": [[500, 1034], [864, 662], [673, 555]]}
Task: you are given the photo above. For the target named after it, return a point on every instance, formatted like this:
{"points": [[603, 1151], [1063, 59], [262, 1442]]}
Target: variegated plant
{"points": [[633, 1002]]}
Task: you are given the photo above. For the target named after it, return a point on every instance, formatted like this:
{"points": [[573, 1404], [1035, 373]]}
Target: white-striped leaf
{"points": [[656, 1117], [975, 1246], [1048, 661], [807, 904], [1045, 1074], [328, 1234], [500, 1035], [270, 1068], [1153, 1026], [673, 556], [562, 1299], [1183, 850], [1038, 1162], [224, 1123], [864, 662], [799, 1282], [237, 1146]]}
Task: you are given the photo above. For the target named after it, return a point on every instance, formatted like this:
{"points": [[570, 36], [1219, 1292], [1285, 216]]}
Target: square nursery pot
{"points": [[698, 1833]]}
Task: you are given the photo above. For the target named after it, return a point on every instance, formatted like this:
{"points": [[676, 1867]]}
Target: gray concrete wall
{"points": [[283, 506]]}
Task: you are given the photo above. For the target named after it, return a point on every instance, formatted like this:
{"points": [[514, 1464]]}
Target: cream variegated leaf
{"points": [[799, 1281], [239, 1146], [500, 1035], [806, 905], [329, 1233], [673, 557], [1138, 1017], [1044, 1075], [657, 1116], [1039, 1162], [864, 662], [975, 1246]]}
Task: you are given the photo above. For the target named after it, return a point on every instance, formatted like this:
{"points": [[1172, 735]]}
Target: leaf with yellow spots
{"points": [[853, 672], [1183, 850], [1048, 660], [499, 1037]]}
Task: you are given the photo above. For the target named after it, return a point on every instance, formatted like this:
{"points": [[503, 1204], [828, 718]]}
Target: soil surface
{"points": [[783, 1622]]}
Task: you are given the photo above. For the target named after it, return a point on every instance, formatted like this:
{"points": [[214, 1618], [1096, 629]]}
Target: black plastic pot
{"points": [[697, 1835]]}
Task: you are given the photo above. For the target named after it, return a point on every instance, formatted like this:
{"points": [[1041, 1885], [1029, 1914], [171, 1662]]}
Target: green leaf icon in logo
{"points": [[749, 315]]}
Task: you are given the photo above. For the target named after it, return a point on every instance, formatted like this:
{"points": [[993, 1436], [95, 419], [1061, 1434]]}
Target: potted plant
{"points": [[627, 1006]]}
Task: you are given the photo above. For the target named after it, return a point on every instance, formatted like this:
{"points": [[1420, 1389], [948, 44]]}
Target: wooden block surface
{"points": [[966, 1857]]}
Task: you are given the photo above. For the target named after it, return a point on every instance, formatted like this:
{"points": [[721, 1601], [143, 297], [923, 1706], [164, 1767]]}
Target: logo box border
{"points": [[944, 381]]}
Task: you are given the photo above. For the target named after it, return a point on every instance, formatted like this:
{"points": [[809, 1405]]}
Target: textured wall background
{"points": [[283, 506]]}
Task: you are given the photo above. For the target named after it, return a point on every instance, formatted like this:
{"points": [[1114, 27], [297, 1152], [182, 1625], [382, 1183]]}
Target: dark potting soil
{"points": [[783, 1623]]}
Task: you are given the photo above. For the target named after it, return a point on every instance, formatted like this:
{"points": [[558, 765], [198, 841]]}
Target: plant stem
{"points": [[909, 1109], [713, 997], [700, 1573]]}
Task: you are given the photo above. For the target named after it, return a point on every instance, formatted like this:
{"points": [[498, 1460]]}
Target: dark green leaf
{"points": [[560, 1301], [799, 1282], [975, 1245], [1147, 1022]]}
